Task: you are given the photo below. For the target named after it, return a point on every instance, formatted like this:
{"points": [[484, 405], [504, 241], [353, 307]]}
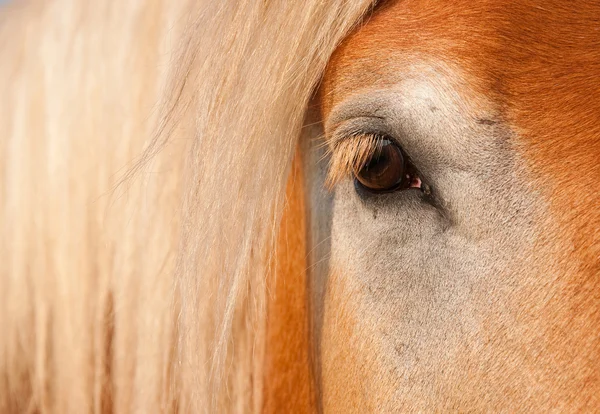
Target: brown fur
{"points": [[288, 377]]}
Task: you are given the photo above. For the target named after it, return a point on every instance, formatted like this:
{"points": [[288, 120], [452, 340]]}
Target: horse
{"points": [[315, 206]]}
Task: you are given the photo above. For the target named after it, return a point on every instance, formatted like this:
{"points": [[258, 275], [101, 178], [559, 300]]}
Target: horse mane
{"points": [[144, 152]]}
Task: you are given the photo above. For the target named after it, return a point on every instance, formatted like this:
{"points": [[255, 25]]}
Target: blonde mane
{"points": [[146, 293]]}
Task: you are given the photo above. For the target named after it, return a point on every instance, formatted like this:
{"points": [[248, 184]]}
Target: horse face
{"points": [[474, 287]]}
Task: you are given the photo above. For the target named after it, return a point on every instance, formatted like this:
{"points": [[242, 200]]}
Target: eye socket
{"points": [[388, 169]]}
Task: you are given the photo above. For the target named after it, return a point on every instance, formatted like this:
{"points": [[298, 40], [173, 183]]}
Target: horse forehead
{"points": [[390, 41], [505, 49]]}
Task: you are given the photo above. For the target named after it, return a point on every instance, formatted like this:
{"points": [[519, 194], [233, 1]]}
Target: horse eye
{"points": [[385, 170]]}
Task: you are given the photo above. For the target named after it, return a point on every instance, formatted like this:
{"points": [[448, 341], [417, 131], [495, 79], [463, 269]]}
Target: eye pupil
{"points": [[385, 170]]}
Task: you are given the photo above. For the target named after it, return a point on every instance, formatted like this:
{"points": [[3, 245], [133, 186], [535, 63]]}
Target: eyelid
{"points": [[358, 126], [365, 106]]}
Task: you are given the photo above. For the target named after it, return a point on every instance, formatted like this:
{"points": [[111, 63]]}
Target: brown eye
{"points": [[385, 170]]}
